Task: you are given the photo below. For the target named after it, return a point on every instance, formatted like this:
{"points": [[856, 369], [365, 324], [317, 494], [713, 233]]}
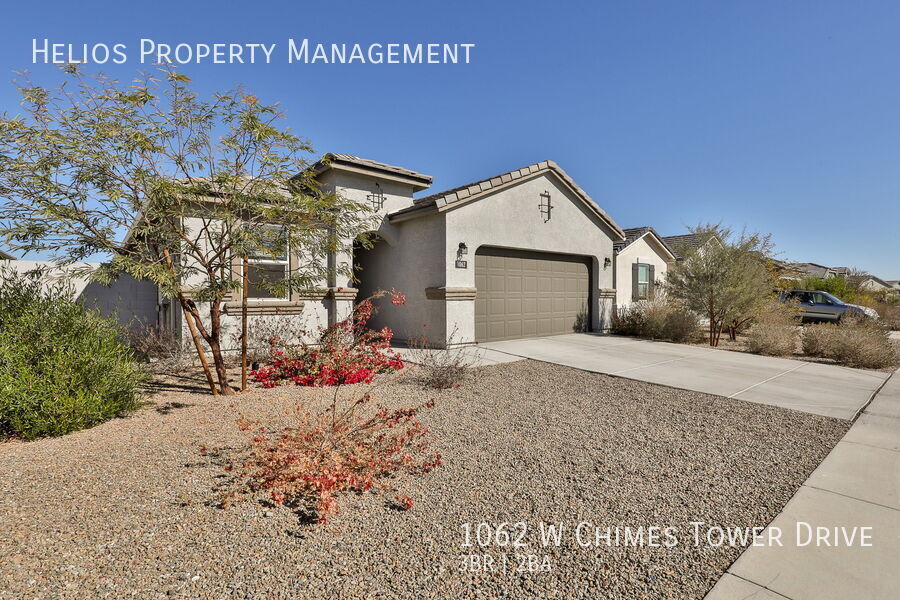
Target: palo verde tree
{"points": [[171, 188], [726, 278]]}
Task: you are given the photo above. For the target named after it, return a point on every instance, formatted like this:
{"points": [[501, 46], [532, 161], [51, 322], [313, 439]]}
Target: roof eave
{"points": [[551, 167]]}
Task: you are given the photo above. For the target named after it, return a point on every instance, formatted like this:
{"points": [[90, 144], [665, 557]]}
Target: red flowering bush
{"points": [[347, 352], [350, 447]]}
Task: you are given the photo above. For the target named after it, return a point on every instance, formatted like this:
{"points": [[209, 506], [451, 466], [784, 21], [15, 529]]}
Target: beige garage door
{"points": [[528, 294]]}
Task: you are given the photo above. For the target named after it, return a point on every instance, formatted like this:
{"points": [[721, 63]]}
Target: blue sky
{"points": [[781, 116]]}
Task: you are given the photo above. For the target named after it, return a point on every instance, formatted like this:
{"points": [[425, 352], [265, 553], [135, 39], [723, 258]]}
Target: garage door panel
{"points": [[528, 294]]}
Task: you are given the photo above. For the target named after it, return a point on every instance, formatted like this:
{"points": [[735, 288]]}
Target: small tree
{"points": [[174, 189], [726, 278]]}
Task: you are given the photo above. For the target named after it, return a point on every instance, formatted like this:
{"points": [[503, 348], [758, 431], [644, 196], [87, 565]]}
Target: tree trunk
{"points": [[189, 318], [215, 346]]}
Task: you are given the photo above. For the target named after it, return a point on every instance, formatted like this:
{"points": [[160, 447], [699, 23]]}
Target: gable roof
{"points": [[691, 241], [462, 194], [813, 269], [633, 234], [858, 279], [347, 161]]}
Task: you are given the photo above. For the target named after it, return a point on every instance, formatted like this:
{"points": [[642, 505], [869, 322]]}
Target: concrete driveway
{"points": [[827, 390]]}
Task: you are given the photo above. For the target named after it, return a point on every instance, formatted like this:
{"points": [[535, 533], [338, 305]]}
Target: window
{"points": [[643, 281], [267, 268]]}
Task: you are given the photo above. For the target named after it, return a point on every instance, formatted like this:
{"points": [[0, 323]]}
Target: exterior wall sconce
{"points": [[376, 198], [607, 262], [545, 206], [460, 253]]}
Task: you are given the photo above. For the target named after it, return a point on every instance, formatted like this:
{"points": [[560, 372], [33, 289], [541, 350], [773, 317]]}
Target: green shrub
{"points": [[836, 286], [774, 332], [656, 319], [62, 367]]}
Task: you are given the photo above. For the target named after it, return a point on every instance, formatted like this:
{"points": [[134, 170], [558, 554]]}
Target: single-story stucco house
{"points": [[524, 253], [642, 261], [521, 254]]}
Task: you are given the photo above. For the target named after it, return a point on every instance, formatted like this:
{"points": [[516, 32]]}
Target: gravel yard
{"points": [[128, 509]]}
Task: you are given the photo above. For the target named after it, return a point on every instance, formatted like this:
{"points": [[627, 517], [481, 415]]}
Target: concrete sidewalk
{"points": [[857, 485], [821, 389]]}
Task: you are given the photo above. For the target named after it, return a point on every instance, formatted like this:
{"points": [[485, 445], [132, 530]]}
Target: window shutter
{"points": [[634, 282], [651, 286]]}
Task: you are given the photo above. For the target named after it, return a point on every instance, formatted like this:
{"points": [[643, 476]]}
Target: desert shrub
{"points": [[62, 367], [774, 332], [629, 320], [344, 353], [267, 332], [659, 319], [161, 348], [681, 325], [856, 342], [890, 314], [864, 344], [352, 446], [442, 368], [819, 340]]}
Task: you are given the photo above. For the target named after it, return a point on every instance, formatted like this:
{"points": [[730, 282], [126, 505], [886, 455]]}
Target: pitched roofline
{"points": [[355, 164], [461, 195], [656, 236]]}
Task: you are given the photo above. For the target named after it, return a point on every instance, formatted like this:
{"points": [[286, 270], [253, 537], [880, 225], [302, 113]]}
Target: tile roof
{"points": [[857, 279], [632, 234], [477, 188], [812, 269], [333, 158], [690, 241]]}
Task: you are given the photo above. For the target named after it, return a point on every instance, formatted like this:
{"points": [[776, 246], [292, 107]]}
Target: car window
{"points": [[819, 298]]}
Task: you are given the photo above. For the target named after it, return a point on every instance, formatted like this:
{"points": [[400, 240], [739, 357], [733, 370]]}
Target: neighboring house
{"points": [[133, 303], [869, 283], [685, 244], [806, 270], [642, 261], [524, 253], [894, 292]]}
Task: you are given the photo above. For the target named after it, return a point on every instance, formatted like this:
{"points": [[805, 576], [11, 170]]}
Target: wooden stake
{"points": [[244, 293]]}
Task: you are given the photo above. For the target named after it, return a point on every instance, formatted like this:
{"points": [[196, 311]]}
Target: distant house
{"points": [[869, 283], [641, 262], [805, 270], [894, 292], [683, 245]]}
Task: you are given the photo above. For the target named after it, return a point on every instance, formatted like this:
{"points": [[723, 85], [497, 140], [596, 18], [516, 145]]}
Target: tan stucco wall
{"points": [[510, 218], [641, 251]]}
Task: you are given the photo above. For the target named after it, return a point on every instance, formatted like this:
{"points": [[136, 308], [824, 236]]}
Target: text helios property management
{"points": [[293, 51]]}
